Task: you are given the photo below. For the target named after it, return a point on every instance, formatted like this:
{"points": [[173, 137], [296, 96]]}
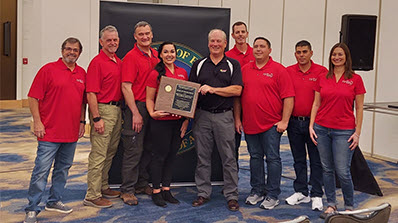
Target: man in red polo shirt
{"points": [[56, 126], [304, 75], [103, 95], [243, 53], [266, 104], [137, 64]]}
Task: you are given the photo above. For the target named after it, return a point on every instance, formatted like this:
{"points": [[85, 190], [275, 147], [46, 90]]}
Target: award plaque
{"points": [[177, 96]]}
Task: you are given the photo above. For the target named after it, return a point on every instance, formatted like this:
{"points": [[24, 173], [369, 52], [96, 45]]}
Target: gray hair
{"points": [[217, 30], [108, 28], [142, 24], [72, 40]]}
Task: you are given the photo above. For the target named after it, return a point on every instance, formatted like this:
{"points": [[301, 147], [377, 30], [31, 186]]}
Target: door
{"points": [[8, 49]]}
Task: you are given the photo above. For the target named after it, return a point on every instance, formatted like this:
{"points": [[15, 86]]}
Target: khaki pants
{"points": [[103, 149]]}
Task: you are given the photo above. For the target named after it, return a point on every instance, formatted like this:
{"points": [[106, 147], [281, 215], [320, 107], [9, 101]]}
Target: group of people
{"points": [[242, 90]]}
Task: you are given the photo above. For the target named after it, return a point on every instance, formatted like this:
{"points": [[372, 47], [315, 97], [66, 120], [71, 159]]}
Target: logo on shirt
{"points": [[181, 75], [223, 70], [268, 74], [348, 82], [312, 79], [80, 81]]}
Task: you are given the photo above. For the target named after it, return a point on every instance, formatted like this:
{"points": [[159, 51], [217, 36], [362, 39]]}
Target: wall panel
{"points": [[385, 138], [386, 126], [189, 2], [210, 3], [239, 12], [387, 77], [170, 2], [266, 21], [301, 21]]}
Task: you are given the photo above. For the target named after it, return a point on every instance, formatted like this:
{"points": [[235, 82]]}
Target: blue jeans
{"points": [[336, 158], [300, 143], [48, 152], [266, 143]]}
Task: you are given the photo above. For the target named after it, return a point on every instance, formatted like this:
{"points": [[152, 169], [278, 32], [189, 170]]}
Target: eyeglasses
{"points": [[76, 50]]}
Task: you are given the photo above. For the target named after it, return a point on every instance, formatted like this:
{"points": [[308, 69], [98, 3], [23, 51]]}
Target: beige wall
{"points": [[44, 24]]}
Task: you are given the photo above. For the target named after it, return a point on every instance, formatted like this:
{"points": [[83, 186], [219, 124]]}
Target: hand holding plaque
{"points": [[177, 96]]}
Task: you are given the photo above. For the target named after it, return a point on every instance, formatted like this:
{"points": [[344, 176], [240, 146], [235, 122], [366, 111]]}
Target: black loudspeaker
{"points": [[359, 33]]}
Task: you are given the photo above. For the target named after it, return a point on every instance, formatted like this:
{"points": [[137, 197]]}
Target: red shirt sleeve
{"points": [[285, 84], [359, 87], [153, 79], [317, 86], [185, 74], [129, 69], [39, 84], [93, 78]]}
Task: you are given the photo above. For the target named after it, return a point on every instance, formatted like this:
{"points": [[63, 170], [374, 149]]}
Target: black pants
{"points": [[134, 149], [166, 141]]}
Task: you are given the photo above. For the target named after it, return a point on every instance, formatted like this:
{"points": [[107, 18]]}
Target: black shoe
{"points": [[325, 214], [167, 196], [158, 200]]}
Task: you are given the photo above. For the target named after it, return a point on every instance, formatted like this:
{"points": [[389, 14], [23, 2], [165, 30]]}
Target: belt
{"points": [[300, 118], [216, 110], [116, 103]]}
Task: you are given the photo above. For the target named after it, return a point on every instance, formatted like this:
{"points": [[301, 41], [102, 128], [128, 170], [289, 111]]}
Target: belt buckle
{"points": [[301, 118], [116, 103]]}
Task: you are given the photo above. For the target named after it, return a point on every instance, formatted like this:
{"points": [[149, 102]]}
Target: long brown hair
{"points": [[348, 63], [161, 67]]}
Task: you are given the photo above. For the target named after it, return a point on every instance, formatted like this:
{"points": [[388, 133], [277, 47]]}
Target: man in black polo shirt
{"points": [[221, 80]]}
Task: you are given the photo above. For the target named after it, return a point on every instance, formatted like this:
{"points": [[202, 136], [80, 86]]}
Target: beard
{"points": [[70, 59]]}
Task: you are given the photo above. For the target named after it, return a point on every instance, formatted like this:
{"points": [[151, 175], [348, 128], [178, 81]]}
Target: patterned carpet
{"points": [[18, 150]]}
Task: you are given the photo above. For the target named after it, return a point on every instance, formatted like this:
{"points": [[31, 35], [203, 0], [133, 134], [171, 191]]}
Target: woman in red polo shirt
{"points": [[333, 126], [166, 129]]}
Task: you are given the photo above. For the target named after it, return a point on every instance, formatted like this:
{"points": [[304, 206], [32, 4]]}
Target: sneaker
{"points": [[58, 207], [317, 204], [297, 198], [108, 193], [253, 199], [31, 217], [269, 203], [98, 203]]}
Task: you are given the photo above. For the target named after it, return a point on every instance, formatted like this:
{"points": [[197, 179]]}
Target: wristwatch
{"points": [[96, 119], [83, 121]]}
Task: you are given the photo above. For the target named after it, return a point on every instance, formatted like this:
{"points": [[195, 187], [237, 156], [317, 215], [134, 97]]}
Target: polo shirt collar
{"points": [[308, 71], [175, 69], [239, 52], [224, 59], [269, 62], [61, 65], [103, 55], [142, 52]]}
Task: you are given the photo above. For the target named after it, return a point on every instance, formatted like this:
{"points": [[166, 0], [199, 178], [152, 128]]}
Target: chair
{"points": [[300, 219], [379, 214]]}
